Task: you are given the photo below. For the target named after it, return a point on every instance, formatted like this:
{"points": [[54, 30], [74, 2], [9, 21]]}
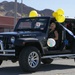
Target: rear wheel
{"points": [[47, 61], [0, 62], [29, 59]]}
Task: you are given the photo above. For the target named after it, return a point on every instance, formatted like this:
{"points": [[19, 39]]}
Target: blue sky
{"points": [[67, 5]]}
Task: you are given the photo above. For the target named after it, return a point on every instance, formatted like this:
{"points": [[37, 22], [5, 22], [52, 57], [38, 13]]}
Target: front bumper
{"points": [[5, 52]]}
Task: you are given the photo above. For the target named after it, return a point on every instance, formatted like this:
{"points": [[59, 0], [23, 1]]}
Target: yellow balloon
{"points": [[60, 18], [33, 13], [59, 15], [60, 11], [55, 14]]}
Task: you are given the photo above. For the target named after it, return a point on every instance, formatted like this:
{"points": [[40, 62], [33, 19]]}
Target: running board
{"points": [[59, 56]]}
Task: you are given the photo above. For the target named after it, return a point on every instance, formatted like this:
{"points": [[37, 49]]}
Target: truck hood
{"points": [[22, 34], [8, 33]]}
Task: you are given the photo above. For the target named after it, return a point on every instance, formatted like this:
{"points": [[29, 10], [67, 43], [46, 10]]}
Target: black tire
{"points": [[23, 59], [73, 48], [0, 62], [47, 61]]}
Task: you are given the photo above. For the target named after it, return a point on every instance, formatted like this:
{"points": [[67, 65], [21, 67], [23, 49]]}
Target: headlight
{"points": [[12, 39]]}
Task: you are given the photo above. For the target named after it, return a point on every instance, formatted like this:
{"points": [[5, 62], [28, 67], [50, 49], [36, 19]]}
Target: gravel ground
{"points": [[58, 67]]}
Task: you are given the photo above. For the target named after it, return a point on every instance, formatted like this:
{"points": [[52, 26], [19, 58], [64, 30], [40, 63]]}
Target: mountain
{"points": [[7, 9]]}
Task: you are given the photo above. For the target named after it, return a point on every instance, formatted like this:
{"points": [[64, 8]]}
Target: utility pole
{"points": [[21, 8], [15, 13]]}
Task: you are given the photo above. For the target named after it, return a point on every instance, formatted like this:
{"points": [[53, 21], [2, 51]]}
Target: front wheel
{"points": [[29, 59]]}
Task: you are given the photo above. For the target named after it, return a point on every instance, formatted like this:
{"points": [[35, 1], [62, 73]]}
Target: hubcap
{"points": [[33, 59]]}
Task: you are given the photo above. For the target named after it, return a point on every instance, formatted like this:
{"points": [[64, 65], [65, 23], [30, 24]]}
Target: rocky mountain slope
{"points": [[7, 9]]}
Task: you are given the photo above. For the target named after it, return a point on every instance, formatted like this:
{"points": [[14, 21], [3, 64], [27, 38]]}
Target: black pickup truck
{"points": [[28, 43]]}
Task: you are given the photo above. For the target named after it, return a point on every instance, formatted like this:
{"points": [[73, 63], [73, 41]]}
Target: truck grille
{"points": [[5, 41], [4, 46]]}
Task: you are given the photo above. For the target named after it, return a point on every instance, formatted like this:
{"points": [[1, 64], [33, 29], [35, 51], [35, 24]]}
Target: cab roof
{"points": [[70, 19]]}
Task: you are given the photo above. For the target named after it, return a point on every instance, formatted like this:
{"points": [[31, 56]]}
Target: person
{"points": [[53, 33]]}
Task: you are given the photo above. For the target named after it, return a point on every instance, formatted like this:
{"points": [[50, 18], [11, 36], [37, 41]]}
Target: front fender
{"points": [[29, 42], [22, 41]]}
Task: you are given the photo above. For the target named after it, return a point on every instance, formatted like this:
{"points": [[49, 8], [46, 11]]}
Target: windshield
{"points": [[29, 24]]}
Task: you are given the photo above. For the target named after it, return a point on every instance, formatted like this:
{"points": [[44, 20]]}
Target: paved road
{"points": [[58, 67]]}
